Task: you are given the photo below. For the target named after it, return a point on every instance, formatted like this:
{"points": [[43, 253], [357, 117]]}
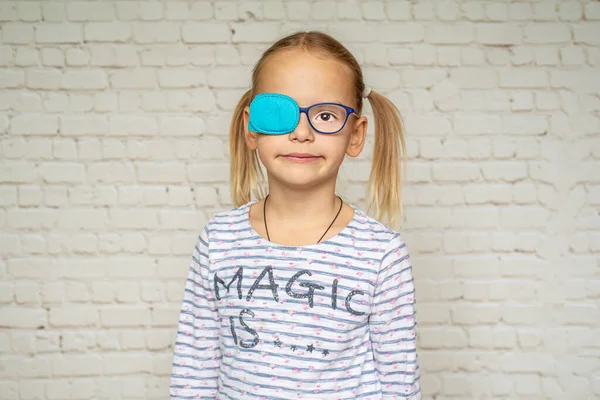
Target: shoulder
{"points": [[368, 227], [375, 229], [227, 221]]}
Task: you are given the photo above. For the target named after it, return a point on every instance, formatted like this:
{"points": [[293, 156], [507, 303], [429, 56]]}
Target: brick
{"points": [[72, 317], [522, 125], [180, 196], [22, 317], [206, 32], [519, 11], [513, 217], [409, 32], [76, 365], [201, 10], [6, 56], [546, 55], [475, 314], [26, 367], [8, 195], [77, 57], [26, 292], [177, 10], [265, 32], [152, 11], [373, 11], [364, 33], [26, 57], [592, 11], [107, 32], [348, 11], [33, 244], [399, 56], [572, 56], [228, 77], [124, 317], [496, 12], [62, 172], [473, 11], [546, 33], [43, 78], [11, 79], [8, 12], [161, 173], [132, 125], [422, 78], [17, 33], [449, 34], [474, 78], [84, 80], [159, 245], [544, 11], [226, 11], [34, 125], [157, 32], [111, 172], [128, 10], [18, 172], [127, 292], [506, 172], [54, 12], [587, 34], [134, 79], [182, 126], [570, 11], [30, 195], [473, 125], [180, 78], [423, 11], [59, 33], [83, 125], [500, 34], [523, 78], [123, 364], [9, 390], [164, 317]]}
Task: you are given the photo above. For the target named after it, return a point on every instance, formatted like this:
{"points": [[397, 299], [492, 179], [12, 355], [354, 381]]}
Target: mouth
{"points": [[301, 157]]}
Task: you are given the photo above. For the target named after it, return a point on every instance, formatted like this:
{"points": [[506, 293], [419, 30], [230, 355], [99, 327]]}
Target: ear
{"points": [[357, 137], [250, 136]]}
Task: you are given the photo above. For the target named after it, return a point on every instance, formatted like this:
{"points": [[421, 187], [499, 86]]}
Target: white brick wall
{"points": [[113, 123]]}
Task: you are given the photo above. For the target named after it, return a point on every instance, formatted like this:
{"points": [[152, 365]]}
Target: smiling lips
{"points": [[301, 157]]}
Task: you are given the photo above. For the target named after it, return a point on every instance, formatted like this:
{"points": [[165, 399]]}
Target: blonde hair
{"points": [[384, 187]]}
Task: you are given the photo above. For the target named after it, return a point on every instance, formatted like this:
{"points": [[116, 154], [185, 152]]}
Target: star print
{"points": [[294, 347], [325, 352], [278, 343], [310, 348]]}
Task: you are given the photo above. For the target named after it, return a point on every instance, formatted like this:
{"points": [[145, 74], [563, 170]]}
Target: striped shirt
{"points": [[333, 320]]}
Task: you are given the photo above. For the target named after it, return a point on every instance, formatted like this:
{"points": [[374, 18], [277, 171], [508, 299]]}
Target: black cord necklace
{"points": [[330, 225]]}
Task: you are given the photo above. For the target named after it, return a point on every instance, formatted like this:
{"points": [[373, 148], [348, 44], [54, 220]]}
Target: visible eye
{"points": [[326, 116]]}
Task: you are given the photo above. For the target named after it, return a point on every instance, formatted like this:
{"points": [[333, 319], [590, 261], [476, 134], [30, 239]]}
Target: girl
{"points": [[301, 295]]}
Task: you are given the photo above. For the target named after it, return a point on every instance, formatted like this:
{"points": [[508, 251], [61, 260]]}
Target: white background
{"points": [[113, 128]]}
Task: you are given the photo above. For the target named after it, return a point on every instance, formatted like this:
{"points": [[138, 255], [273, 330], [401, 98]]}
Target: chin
{"points": [[298, 180]]}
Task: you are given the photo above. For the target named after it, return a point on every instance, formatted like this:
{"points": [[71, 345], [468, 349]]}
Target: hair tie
{"points": [[367, 92]]}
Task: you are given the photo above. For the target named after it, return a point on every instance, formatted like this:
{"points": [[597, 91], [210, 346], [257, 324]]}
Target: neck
{"points": [[302, 206]]}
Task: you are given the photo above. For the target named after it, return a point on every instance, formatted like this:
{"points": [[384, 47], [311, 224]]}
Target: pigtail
{"points": [[388, 153], [246, 176]]}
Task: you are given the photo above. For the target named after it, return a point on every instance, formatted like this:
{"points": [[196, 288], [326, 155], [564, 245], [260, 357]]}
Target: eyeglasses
{"points": [[278, 114]]}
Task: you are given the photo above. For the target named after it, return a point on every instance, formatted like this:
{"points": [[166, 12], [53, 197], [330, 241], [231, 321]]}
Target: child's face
{"points": [[305, 157]]}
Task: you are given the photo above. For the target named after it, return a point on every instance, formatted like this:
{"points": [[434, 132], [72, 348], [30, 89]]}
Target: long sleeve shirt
{"points": [[333, 320]]}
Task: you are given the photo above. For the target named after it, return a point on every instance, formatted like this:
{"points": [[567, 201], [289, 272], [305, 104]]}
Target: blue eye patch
{"points": [[273, 114]]}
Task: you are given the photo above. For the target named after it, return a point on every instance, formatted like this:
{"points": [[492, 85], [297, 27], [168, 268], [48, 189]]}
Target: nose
{"points": [[303, 131]]}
